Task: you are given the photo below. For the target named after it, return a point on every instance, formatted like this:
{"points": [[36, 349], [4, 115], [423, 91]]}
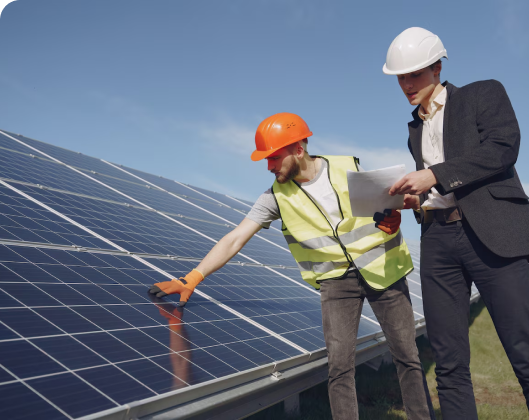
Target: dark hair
{"points": [[432, 66]]}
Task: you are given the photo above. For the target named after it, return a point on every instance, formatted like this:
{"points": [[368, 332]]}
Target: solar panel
{"points": [[84, 311], [134, 192], [80, 242]]}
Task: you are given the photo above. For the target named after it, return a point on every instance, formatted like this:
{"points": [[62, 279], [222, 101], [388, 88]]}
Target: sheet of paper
{"points": [[368, 190]]}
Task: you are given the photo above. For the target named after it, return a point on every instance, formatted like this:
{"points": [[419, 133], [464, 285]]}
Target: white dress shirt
{"points": [[432, 149]]}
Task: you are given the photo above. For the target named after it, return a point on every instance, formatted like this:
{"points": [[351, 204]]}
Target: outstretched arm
{"points": [[228, 247], [219, 255]]}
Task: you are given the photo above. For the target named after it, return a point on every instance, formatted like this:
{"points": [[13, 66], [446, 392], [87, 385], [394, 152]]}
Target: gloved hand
{"points": [[184, 286], [388, 222]]}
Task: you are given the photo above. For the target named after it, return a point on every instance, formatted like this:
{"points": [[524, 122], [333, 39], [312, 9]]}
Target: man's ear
{"points": [[437, 69], [300, 150]]}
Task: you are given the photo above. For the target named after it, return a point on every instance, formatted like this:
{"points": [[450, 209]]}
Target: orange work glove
{"points": [[388, 222], [184, 286]]}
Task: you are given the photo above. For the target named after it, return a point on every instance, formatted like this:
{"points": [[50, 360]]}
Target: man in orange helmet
{"points": [[349, 258]]}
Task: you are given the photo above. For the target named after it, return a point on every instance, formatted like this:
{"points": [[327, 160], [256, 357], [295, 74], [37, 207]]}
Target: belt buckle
{"points": [[456, 213], [428, 217]]}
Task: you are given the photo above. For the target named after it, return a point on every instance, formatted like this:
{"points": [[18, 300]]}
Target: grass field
{"points": [[498, 394]]}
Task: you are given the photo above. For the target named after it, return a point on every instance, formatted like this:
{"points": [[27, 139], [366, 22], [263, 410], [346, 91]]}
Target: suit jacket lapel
{"points": [[415, 129], [450, 88]]}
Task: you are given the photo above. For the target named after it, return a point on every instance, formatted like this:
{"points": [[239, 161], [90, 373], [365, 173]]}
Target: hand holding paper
{"points": [[369, 190], [414, 183]]}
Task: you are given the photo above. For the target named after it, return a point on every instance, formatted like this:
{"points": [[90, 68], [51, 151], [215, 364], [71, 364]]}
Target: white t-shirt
{"points": [[265, 209], [321, 191]]}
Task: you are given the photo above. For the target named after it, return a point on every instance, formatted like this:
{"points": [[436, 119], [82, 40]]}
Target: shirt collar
{"points": [[438, 102]]}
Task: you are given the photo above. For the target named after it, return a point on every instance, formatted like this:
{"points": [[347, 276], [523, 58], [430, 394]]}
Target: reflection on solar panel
{"points": [[80, 241]]}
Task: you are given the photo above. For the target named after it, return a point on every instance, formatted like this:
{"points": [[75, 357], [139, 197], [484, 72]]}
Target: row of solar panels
{"points": [[81, 240]]}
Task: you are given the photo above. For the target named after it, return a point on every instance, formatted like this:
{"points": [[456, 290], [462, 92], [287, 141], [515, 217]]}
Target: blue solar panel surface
{"points": [[80, 242]]}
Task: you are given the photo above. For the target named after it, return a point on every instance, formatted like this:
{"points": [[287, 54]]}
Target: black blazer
{"points": [[481, 139]]}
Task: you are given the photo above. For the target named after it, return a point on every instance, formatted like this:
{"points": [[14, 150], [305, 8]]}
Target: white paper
{"points": [[369, 190]]}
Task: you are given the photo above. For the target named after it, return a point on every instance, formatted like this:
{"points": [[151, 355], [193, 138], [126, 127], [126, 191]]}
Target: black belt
{"points": [[449, 215]]}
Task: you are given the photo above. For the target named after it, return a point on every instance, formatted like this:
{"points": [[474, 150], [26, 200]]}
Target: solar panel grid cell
{"points": [[138, 230], [20, 167], [126, 182], [134, 229], [246, 203], [183, 190], [88, 163], [153, 196], [116, 384], [163, 201], [130, 186], [75, 159], [72, 394], [216, 203], [222, 198], [167, 184], [20, 402], [24, 220]]}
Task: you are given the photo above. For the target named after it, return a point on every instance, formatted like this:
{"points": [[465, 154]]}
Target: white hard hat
{"points": [[412, 50]]}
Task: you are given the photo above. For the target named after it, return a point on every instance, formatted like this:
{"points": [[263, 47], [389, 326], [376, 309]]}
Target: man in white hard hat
{"points": [[473, 212]]}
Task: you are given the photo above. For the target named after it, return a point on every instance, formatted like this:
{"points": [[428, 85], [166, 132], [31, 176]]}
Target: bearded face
{"points": [[285, 163], [289, 170]]}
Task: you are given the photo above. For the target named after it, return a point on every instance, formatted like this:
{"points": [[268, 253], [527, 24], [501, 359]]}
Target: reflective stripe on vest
{"points": [[368, 257], [324, 252], [362, 261], [346, 238]]}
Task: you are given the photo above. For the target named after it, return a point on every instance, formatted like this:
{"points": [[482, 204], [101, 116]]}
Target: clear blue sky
{"points": [[177, 88]]}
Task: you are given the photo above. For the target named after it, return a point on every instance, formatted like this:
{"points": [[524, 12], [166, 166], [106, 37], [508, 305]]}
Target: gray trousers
{"points": [[341, 302]]}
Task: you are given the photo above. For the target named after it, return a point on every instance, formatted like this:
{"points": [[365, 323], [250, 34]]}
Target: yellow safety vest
{"points": [[323, 252]]}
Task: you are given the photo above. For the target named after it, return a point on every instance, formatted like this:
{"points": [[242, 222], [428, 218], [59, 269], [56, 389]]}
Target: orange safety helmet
{"points": [[278, 131]]}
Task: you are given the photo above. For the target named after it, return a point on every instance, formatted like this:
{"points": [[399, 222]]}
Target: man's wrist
{"points": [[433, 178], [199, 272]]}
